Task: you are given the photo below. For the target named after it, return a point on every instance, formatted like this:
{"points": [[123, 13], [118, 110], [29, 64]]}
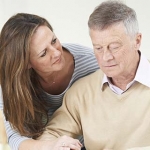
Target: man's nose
{"points": [[107, 55]]}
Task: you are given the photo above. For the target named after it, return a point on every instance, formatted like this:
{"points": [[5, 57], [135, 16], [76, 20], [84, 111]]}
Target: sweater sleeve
{"points": [[65, 121], [13, 137]]}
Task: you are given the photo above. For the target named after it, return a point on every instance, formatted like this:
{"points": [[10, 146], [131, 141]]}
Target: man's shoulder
{"points": [[88, 81], [83, 89]]}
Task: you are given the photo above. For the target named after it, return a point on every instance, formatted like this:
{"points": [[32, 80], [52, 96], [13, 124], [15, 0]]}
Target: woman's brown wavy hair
{"points": [[23, 106]]}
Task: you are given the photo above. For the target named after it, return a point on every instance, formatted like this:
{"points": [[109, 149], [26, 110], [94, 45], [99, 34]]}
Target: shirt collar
{"points": [[143, 71], [142, 74]]}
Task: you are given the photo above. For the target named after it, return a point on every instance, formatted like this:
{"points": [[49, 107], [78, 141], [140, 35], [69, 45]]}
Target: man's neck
{"points": [[124, 80]]}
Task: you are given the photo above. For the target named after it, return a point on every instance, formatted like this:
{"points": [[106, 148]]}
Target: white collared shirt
{"points": [[142, 76]]}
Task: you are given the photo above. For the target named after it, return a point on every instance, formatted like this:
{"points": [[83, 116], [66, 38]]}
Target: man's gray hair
{"points": [[112, 12]]}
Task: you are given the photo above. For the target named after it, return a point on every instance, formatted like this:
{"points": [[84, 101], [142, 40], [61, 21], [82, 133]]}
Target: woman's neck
{"points": [[58, 81]]}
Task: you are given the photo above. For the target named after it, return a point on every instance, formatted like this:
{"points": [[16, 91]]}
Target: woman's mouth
{"points": [[57, 61]]}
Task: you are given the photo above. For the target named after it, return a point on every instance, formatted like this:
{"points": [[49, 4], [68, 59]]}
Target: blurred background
{"points": [[69, 17], [69, 20]]}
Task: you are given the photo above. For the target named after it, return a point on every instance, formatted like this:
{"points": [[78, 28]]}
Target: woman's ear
{"points": [[29, 66]]}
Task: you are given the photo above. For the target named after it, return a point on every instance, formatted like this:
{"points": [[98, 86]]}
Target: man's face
{"points": [[115, 50]]}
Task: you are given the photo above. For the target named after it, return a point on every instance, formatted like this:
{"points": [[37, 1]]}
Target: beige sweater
{"points": [[106, 120]]}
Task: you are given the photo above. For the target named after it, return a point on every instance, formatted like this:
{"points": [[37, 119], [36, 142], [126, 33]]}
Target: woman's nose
{"points": [[55, 52]]}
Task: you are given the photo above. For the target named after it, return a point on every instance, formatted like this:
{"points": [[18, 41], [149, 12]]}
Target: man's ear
{"points": [[138, 40]]}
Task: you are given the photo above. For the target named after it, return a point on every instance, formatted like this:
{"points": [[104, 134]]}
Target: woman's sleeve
{"points": [[13, 137]]}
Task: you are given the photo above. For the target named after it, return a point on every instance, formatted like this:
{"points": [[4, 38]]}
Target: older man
{"points": [[111, 107]]}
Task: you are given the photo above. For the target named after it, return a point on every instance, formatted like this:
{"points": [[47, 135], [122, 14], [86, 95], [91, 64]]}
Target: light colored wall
{"points": [[69, 17]]}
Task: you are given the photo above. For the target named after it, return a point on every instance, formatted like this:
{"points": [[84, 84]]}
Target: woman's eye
{"points": [[43, 54], [54, 41]]}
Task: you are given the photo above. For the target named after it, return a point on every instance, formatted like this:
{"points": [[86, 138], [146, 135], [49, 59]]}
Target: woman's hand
{"points": [[61, 143]]}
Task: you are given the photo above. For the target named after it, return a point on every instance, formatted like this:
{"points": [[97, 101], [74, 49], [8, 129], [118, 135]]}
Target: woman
{"points": [[35, 72]]}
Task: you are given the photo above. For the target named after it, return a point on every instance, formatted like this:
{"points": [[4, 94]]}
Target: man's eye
{"points": [[99, 49], [54, 41], [114, 47], [43, 54]]}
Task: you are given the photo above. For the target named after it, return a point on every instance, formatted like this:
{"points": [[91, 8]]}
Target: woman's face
{"points": [[46, 53]]}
